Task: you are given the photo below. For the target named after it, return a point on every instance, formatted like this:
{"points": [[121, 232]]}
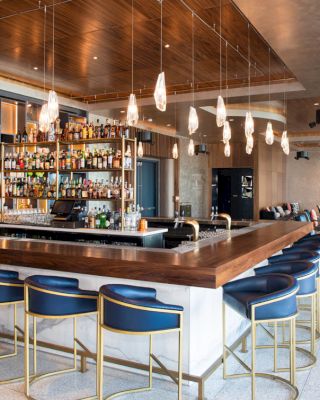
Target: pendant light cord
{"points": [[44, 50], [249, 69], [132, 46], [161, 35], [193, 58], [284, 99], [269, 81], [53, 30], [220, 48], [227, 87]]}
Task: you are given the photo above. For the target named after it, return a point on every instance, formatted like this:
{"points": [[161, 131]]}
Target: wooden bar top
{"points": [[209, 266]]}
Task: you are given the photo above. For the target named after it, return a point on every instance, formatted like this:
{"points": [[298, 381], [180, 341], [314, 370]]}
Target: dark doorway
{"points": [[147, 187], [232, 191]]}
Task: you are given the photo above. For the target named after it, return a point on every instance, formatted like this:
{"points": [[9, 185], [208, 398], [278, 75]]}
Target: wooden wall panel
{"points": [[238, 158], [161, 146]]}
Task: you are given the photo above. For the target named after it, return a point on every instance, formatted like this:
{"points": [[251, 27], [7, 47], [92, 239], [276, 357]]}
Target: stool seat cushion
{"points": [[294, 253], [304, 272], [9, 292], [279, 289], [65, 297], [128, 316]]}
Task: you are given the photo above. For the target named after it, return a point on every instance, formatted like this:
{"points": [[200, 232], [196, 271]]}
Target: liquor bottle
{"points": [[92, 220], [98, 218], [18, 137], [6, 162], [103, 218], [95, 160], [30, 136], [100, 161], [24, 138]]}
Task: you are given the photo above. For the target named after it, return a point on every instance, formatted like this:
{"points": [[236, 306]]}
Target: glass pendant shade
{"points": [[193, 123], [249, 125], [44, 119], [285, 143], [132, 112], [160, 93], [221, 112], [175, 153], [53, 106], [249, 145], [226, 132], [191, 148], [227, 149], [269, 134], [140, 150]]}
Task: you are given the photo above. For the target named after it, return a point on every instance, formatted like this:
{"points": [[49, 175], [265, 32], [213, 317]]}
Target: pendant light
{"points": [[191, 148], [284, 138], [227, 151], [53, 102], [132, 112], [221, 108], [249, 123], [160, 93], [226, 135], [175, 151], [44, 119], [269, 130], [193, 121], [140, 150]]}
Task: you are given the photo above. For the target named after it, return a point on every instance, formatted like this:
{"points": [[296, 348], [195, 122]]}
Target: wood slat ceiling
{"points": [[88, 28]]}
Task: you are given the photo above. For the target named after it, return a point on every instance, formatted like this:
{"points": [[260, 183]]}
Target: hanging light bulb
{"points": [[249, 145], [140, 150], [191, 148], [285, 143], [160, 93], [221, 112], [193, 123], [249, 125], [226, 132], [227, 148], [132, 112], [175, 153], [269, 134], [44, 119], [53, 106]]}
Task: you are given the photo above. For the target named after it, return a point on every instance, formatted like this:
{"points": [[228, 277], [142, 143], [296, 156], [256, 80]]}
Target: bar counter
{"points": [[209, 264]]}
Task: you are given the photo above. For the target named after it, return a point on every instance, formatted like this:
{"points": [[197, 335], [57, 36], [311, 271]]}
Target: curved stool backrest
{"points": [[11, 287], [304, 272], [58, 297], [133, 309]]}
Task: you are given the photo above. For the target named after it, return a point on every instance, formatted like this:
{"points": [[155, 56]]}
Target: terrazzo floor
{"points": [[77, 385]]}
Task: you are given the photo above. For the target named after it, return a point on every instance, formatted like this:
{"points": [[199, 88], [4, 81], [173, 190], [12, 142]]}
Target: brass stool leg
{"points": [[224, 354], [253, 358], [100, 350], [35, 345], [75, 343], [180, 360], [98, 354], [15, 331], [26, 346], [313, 325], [275, 355], [150, 362]]}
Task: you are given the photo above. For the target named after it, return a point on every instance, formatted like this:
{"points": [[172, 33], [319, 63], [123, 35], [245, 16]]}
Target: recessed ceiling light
{"points": [[150, 119], [122, 111], [316, 104], [168, 124], [35, 68], [95, 57], [167, 45], [231, 119]]}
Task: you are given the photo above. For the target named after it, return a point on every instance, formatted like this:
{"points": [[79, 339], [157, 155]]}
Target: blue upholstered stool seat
{"points": [[59, 296], [12, 288], [304, 272], [139, 311], [243, 294], [294, 254]]}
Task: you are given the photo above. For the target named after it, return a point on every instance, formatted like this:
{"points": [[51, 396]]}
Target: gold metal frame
{"points": [[28, 380], [152, 357], [251, 370]]}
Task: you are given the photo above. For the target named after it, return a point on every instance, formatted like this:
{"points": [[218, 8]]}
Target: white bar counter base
{"points": [[110, 232]]}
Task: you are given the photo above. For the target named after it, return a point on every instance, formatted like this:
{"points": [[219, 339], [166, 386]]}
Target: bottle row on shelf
{"points": [[81, 189], [43, 159], [74, 132]]}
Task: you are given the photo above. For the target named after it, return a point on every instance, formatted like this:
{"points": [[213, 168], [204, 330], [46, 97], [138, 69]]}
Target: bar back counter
{"points": [[191, 276]]}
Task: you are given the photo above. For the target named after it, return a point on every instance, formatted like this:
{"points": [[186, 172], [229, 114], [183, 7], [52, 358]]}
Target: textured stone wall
{"points": [[194, 180]]}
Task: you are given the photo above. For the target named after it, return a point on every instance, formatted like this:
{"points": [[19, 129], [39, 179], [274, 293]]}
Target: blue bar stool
{"points": [[55, 297], [262, 299], [11, 293], [136, 311], [305, 273]]}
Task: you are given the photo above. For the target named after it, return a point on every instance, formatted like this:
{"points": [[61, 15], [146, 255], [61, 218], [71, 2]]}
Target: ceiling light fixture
{"points": [[132, 112], [44, 120], [316, 104], [191, 148], [53, 101], [95, 57], [149, 119], [35, 68], [122, 111], [193, 121], [140, 150], [167, 45], [249, 123], [269, 130], [175, 152], [226, 134], [284, 138], [160, 93], [227, 151], [221, 108], [168, 124]]}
